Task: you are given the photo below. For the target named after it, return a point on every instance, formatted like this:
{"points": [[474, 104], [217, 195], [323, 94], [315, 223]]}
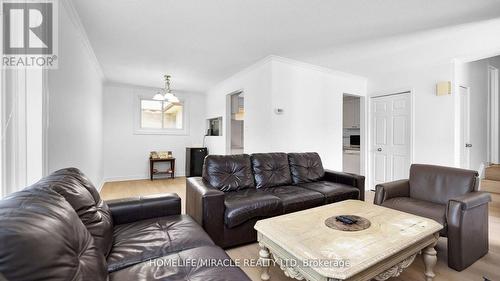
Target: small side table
{"points": [[171, 171]]}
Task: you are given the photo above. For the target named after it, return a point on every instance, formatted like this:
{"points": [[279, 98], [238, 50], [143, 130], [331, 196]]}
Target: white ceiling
{"points": [[201, 42]]}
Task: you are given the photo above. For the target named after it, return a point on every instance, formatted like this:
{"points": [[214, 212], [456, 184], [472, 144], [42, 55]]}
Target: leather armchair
{"points": [[451, 197]]}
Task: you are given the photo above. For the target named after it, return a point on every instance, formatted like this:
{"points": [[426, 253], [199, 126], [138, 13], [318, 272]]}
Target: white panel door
{"points": [[390, 121], [465, 144]]}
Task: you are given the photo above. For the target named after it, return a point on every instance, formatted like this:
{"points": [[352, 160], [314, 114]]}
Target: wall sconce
{"points": [[443, 88]]}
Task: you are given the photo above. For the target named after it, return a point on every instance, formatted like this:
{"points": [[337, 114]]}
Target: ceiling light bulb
{"points": [[174, 99], [158, 96], [171, 98]]}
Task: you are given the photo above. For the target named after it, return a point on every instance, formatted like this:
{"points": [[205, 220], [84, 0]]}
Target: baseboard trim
{"points": [[125, 178], [131, 178]]}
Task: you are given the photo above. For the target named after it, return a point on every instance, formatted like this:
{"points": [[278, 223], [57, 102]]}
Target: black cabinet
{"points": [[194, 160]]}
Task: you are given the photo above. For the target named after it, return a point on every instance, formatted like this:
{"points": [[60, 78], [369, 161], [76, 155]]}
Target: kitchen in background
{"points": [[237, 123], [351, 134]]}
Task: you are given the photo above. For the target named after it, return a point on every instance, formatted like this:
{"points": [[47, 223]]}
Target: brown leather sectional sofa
{"points": [[449, 196], [238, 190], [60, 229]]}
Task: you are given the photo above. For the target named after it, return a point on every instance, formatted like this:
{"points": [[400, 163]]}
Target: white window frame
{"points": [[138, 130]]}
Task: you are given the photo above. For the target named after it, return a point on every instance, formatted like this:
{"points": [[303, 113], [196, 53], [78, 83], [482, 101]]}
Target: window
{"points": [[160, 117]]}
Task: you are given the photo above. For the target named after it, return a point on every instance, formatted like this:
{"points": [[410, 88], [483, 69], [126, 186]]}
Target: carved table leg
{"points": [[265, 262], [429, 255]]}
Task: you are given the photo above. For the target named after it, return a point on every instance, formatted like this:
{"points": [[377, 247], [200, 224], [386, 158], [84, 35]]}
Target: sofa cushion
{"points": [[81, 194], [421, 208], [271, 169], [247, 204], [149, 239], [189, 267], [439, 184], [295, 198], [42, 238], [305, 167], [333, 192], [228, 172]]}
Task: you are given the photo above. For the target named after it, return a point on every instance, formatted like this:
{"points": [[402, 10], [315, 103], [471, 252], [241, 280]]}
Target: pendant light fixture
{"points": [[166, 94]]}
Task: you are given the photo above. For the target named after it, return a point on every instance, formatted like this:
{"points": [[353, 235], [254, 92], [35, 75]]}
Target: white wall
{"points": [[310, 96], [312, 100], [434, 119], [126, 154], [75, 103], [255, 82]]}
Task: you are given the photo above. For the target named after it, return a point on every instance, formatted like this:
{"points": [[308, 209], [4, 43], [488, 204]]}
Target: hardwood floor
{"points": [[488, 266]]}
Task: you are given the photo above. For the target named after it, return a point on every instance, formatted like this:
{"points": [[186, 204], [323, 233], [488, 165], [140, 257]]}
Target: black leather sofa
{"points": [[236, 191], [60, 229]]}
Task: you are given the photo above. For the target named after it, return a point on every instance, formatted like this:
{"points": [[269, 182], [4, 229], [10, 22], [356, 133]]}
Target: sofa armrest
{"points": [[467, 223], [388, 190], [133, 209], [357, 181], [471, 200], [205, 204]]}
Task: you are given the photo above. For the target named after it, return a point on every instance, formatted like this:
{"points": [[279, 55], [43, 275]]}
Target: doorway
{"points": [[390, 137], [351, 134], [237, 123], [465, 145]]}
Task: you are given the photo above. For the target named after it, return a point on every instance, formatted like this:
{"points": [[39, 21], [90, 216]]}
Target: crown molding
{"points": [[69, 7], [242, 72], [314, 67], [292, 62]]}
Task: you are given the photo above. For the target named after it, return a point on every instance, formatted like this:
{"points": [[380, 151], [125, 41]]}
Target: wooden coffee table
{"points": [[306, 249]]}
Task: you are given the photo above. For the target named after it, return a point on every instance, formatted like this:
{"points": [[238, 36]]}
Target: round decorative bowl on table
{"points": [[347, 223]]}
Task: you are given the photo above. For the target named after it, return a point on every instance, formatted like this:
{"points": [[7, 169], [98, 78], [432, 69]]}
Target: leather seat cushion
{"points": [[333, 192], [228, 172], [159, 269], [271, 169], [295, 198], [148, 239], [247, 204], [421, 208], [305, 167]]}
